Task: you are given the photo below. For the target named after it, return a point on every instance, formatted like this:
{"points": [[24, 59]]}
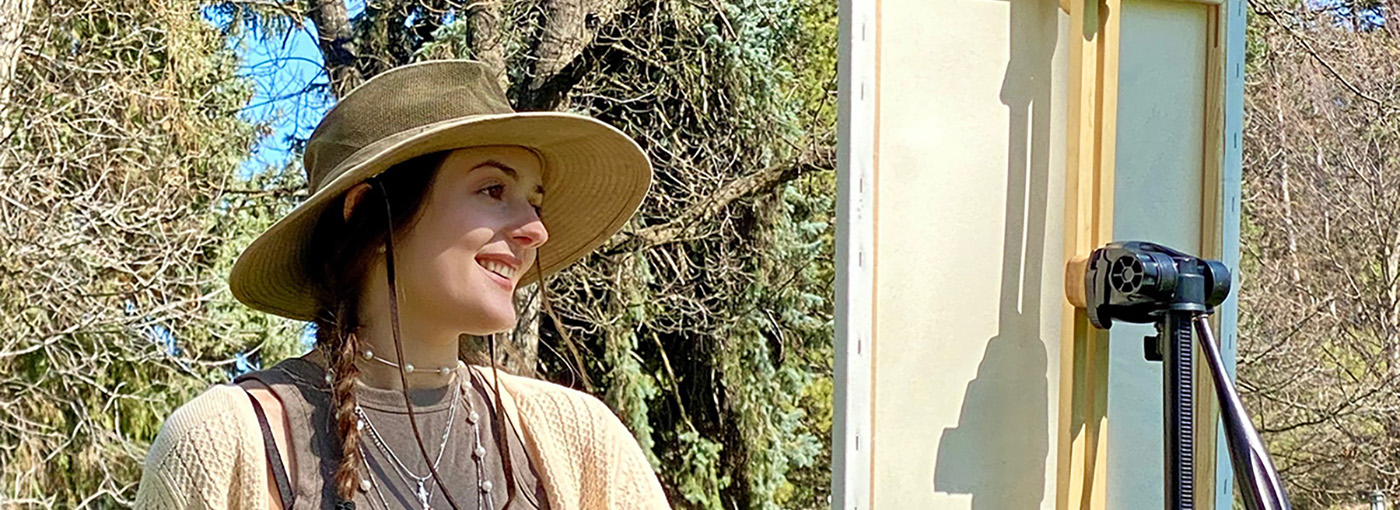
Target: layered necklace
{"points": [[423, 489]]}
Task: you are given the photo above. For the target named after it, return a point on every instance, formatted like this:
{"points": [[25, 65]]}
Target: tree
{"points": [[1320, 293], [717, 359], [119, 143], [124, 211]]}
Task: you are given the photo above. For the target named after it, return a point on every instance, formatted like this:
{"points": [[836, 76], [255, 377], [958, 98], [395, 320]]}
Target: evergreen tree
{"points": [[707, 323], [119, 148]]}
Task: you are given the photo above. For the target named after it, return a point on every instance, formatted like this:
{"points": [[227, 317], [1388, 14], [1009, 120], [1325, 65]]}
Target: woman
{"points": [[432, 201]]}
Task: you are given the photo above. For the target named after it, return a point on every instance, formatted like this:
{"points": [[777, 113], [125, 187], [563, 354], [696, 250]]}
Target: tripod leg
{"points": [[1258, 481], [1178, 410]]}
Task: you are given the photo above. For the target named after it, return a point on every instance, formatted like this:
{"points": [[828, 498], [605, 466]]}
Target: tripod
{"points": [[1138, 282]]}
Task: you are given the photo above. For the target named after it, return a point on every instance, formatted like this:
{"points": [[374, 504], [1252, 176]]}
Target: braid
{"points": [[335, 337], [339, 260], [344, 377]]}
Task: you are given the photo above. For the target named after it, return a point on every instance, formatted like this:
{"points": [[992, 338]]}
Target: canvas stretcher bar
{"points": [[855, 257], [1092, 118]]}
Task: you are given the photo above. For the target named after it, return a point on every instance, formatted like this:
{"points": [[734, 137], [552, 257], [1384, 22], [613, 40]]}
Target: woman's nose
{"points": [[530, 232]]}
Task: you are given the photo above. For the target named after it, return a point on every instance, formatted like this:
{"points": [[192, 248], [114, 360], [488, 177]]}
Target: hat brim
{"points": [[595, 178]]}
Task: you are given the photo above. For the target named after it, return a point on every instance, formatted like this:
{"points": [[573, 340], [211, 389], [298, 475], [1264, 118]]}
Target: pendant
{"points": [[422, 493]]}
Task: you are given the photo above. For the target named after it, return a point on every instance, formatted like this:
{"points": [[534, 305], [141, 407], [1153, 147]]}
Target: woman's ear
{"points": [[352, 198]]}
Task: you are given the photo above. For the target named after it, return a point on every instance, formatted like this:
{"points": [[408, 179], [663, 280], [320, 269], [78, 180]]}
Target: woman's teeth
{"points": [[501, 269]]}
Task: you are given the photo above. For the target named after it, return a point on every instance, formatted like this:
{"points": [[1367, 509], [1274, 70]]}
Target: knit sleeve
{"points": [[633, 483], [588, 458], [204, 458]]}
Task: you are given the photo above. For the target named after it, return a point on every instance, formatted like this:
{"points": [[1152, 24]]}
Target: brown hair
{"points": [[342, 254]]}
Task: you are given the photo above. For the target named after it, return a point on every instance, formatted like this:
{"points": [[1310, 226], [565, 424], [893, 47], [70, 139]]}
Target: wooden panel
{"points": [[1164, 106], [1089, 197]]}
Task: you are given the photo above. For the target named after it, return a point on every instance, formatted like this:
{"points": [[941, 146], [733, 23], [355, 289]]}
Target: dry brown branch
{"points": [[1320, 311], [756, 184]]}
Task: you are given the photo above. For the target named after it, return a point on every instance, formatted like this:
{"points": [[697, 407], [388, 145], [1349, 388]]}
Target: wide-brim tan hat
{"points": [[595, 177]]}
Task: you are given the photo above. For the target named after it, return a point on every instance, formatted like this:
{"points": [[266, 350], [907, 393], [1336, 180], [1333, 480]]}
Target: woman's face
{"points": [[475, 238]]}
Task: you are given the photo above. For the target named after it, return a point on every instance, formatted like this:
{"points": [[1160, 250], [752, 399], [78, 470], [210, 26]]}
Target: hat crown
{"points": [[401, 99]]}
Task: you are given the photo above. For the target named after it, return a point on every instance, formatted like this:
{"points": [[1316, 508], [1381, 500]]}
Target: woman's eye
{"points": [[494, 191]]}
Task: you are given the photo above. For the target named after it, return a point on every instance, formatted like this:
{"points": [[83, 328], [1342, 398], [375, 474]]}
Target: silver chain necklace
{"points": [[423, 491]]}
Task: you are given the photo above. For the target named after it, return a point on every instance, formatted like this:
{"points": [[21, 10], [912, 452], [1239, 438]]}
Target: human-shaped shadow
{"points": [[997, 451]]}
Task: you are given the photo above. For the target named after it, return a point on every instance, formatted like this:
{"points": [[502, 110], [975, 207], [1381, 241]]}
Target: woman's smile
{"points": [[499, 268]]}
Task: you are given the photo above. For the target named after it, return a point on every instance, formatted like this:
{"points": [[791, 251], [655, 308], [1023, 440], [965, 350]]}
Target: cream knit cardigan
{"points": [[209, 454]]}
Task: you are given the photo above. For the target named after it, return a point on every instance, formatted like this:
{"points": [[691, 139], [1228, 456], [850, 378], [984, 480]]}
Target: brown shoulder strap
{"points": [[274, 457]]}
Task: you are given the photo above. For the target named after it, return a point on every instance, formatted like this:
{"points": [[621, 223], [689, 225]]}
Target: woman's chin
{"points": [[482, 311], [492, 321]]}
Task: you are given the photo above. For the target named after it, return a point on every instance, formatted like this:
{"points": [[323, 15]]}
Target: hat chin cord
{"points": [[398, 342]]}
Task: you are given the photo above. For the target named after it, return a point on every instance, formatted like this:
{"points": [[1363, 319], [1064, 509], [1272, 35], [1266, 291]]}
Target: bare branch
{"points": [[758, 183]]}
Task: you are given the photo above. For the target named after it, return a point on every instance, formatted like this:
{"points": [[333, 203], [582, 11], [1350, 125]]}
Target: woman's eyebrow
{"points": [[499, 166], [506, 169]]}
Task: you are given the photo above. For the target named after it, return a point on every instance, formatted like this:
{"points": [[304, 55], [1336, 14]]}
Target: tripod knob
{"points": [[1152, 347]]}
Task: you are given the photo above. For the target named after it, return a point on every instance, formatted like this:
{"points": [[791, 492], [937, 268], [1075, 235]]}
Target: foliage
{"points": [[1320, 294], [125, 208], [732, 341], [118, 148]]}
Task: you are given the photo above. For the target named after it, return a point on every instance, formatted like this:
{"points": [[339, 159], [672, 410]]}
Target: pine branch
{"points": [[756, 184]]}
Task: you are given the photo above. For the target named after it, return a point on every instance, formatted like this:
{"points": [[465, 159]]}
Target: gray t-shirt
{"points": [[300, 385]]}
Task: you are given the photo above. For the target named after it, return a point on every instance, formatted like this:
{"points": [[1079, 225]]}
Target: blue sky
{"points": [[281, 67], [1369, 18]]}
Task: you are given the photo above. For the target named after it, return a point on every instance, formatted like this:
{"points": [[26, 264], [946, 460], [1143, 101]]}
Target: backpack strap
{"points": [[274, 458]]}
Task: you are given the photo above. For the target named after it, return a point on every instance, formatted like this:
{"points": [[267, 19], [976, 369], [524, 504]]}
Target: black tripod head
{"points": [[1139, 282]]}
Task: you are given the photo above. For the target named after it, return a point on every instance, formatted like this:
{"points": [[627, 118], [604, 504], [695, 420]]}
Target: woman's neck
{"points": [[427, 350], [429, 344]]}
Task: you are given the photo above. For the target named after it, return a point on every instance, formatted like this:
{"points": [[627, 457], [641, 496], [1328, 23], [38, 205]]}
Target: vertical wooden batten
{"points": [[1092, 122], [1220, 231], [1212, 239]]}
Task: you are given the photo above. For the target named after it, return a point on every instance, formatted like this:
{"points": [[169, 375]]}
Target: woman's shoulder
{"points": [[570, 419], [554, 400], [214, 416], [587, 454], [197, 456]]}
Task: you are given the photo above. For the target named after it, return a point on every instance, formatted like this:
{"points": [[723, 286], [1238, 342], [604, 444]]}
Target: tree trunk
{"points": [[336, 38], [525, 339], [487, 41], [570, 27]]}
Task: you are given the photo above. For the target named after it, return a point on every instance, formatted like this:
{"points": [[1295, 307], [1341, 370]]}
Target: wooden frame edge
{"points": [[1082, 442], [852, 455], [1212, 238]]}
